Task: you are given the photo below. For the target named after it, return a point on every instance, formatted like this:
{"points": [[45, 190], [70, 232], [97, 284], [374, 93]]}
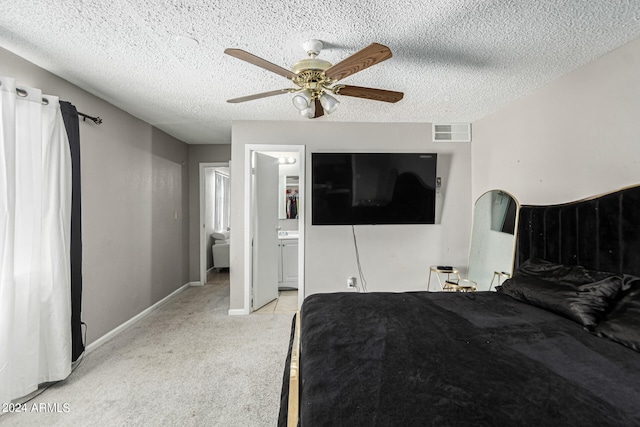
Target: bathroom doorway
{"points": [[275, 221]]}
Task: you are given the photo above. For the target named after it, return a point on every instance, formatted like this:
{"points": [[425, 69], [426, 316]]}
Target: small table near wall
{"points": [[462, 285], [500, 275], [442, 270]]}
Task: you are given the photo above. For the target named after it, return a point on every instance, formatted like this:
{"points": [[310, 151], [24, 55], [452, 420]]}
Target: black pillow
{"points": [[622, 325], [572, 275], [582, 295]]}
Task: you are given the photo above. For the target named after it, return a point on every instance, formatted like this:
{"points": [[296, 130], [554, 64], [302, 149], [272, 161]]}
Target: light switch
{"points": [[175, 214]]}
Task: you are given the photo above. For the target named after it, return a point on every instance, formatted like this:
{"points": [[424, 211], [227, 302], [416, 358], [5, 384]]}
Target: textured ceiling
{"points": [[455, 60]]}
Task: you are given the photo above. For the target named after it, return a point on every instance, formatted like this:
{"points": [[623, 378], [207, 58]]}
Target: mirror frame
{"points": [[514, 243]]}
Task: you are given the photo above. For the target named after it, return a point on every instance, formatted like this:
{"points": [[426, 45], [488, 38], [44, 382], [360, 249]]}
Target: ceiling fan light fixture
{"points": [[314, 76], [309, 112], [302, 100], [329, 103]]}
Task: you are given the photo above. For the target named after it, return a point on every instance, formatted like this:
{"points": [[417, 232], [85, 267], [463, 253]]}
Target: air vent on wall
{"points": [[452, 132]]}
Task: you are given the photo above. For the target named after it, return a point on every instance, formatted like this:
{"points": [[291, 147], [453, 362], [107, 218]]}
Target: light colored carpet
{"points": [[186, 364]]}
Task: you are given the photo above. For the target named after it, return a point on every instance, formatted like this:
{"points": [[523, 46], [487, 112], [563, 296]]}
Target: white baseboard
{"points": [[194, 284], [238, 312], [112, 333]]}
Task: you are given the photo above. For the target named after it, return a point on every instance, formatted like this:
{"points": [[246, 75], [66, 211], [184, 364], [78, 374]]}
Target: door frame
{"points": [[248, 203], [202, 250]]}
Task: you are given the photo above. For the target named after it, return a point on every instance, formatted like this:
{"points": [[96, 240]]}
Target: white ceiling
{"points": [[455, 60]]}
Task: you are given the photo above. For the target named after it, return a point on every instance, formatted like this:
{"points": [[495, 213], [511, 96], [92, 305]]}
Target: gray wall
{"points": [[134, 179], [576, 137], [394, 257], [200, 154]]}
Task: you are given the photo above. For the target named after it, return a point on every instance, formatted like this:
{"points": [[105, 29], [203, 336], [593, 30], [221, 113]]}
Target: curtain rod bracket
{"points": [[96, 120]]}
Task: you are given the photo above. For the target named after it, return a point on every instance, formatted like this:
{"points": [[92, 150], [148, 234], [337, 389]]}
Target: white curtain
{"points": [[223, 201], [35, 223]]}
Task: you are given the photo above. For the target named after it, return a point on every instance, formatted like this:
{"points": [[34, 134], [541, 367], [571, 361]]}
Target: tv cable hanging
{"points": [[360, 272]]}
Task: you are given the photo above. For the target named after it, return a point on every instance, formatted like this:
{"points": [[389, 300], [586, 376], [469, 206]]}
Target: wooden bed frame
{"points": [[292, 413]]}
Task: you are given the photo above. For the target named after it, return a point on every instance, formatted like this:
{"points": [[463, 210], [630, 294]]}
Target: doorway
{"points": [[214, 211], [275, 236]]}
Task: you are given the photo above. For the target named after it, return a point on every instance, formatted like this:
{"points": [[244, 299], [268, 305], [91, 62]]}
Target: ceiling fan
{"points": [[315, 77]]}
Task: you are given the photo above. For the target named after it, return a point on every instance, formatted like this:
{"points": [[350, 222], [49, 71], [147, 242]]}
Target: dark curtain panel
{"points": [[70, 116]]}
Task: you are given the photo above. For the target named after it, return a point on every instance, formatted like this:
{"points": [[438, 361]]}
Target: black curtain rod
{"points": [[96, 120]]}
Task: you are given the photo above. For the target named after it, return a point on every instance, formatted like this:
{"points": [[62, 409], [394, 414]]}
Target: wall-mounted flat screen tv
{"points": [[373, 188]]}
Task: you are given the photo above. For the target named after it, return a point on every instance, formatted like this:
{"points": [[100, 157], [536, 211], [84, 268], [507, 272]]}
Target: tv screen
{"points": [[373, 188]]}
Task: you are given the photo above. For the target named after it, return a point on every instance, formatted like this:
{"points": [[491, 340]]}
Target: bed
{"points": [[558, 344]]}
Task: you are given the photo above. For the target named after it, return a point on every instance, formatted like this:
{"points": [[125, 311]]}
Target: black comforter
{"points": [[418, 358]]}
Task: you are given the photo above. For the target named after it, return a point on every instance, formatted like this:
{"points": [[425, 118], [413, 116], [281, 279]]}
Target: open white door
{"points": [[265, 230]]}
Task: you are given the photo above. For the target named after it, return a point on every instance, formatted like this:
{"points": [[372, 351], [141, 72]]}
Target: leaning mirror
{"points": [[492, 248]]}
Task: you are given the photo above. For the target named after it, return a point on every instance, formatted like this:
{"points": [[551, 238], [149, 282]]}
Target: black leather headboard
{"points": [[601, 233]]}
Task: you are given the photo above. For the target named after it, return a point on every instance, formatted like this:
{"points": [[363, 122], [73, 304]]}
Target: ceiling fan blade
{"points": [[258, 96], [319, 109], [370, 55], [263, 63], [370, 93]]}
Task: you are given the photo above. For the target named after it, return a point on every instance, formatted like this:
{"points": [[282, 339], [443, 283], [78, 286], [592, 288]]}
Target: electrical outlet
{"points": [[351, 282]]}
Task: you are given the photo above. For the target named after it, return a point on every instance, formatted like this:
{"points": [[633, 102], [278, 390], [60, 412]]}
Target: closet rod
{"points": [[96, 120]]}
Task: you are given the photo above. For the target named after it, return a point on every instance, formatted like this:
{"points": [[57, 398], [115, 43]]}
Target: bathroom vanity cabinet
{"points": [[288, 263]]}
